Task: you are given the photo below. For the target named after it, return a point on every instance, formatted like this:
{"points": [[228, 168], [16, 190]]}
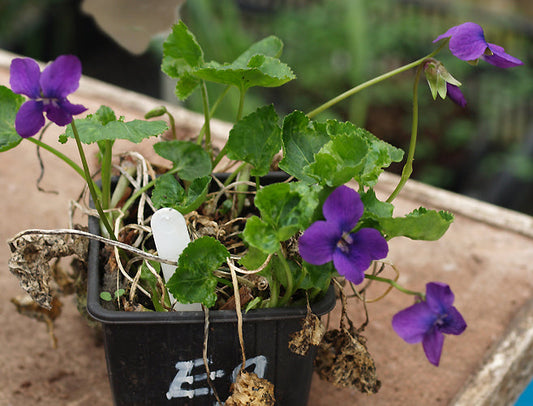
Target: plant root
{"points": [[27, 307], [343, 358], [344, 361], [311, 333], [250, 390]]}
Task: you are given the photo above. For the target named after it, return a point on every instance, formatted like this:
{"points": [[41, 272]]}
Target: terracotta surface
{"points": [[489, 267]]}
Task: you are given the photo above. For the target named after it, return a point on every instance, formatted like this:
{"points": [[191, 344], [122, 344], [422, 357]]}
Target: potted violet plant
{"points": [[209, 279]]}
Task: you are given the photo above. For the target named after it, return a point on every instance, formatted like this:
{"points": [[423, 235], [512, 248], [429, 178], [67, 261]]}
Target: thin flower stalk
{"points": [[395, 284], [408, 167], [92, 189], [372, 82]]}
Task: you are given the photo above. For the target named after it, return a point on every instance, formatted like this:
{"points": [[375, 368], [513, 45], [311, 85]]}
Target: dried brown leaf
{"points": [[30, 261]]}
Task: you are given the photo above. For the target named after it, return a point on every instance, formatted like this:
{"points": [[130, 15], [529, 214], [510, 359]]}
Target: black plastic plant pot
{"points": [[156, 358]]}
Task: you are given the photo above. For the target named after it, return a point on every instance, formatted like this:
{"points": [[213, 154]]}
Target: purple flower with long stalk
{"points": [[429, 320], [333, 239], [467, 42], [47, 91]]}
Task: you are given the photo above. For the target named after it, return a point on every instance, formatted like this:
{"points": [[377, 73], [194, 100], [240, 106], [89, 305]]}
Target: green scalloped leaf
{"points": [[181, 54], [9, 105], [339, 160], [420, 224], [105, 115], [374, 207], [168, 192], [259, 70], [351, 153], [261, 235], [190, 159], [255, 139], [317, 276], [285, 208], [194, 281], [270, 46], [302, 139], [91, 129], [288, 207]]}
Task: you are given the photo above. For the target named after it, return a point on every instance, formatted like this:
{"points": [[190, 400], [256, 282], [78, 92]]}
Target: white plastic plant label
{"points": [[171, 237]]}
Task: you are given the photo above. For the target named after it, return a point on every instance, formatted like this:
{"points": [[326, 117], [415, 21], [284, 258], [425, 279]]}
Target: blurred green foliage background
{"points": [[484, 150]]}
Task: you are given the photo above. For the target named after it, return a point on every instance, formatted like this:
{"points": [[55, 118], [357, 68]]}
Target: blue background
{"points": [[526, 399]]}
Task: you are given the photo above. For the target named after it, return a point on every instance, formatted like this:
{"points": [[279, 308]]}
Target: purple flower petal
{"points": [[61, 77], [468, 42], [319, 242], [430, 320], [412, 324], [48, 92], [72, 109], [344, 208], [454, 94], [432, 344], [454, 323], [57, 114], [356, 252], [24, 77], [61, 112], [29, 119], [439, 296], [348, 266], [370, 241], [501, 59], [447, 34]]}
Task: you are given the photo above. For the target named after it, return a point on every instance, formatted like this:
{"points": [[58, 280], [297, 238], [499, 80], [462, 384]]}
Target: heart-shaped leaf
{"points": [[194, 281], [255, 139], [190, 159], [9, 106], [104, 126], [302, 139]]}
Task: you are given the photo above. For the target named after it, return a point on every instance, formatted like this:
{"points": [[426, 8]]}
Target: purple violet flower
{"points": [[333, 239], [47, 91], [429, 320], [467, 42], [455, 94]]}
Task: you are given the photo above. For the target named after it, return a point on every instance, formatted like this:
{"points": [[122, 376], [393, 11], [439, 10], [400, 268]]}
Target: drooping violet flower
{"points": [[333, 239], [455, 94], [441, 82], [47, 91], [467, 42], [429, 320]]}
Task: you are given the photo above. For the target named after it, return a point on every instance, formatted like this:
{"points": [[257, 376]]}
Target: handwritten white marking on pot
{"points": [[171, 237], [259, 362], [184, 376]]}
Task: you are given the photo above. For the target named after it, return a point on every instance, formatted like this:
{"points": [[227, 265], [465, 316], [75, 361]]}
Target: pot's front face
{"points": [[159, 364]]}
